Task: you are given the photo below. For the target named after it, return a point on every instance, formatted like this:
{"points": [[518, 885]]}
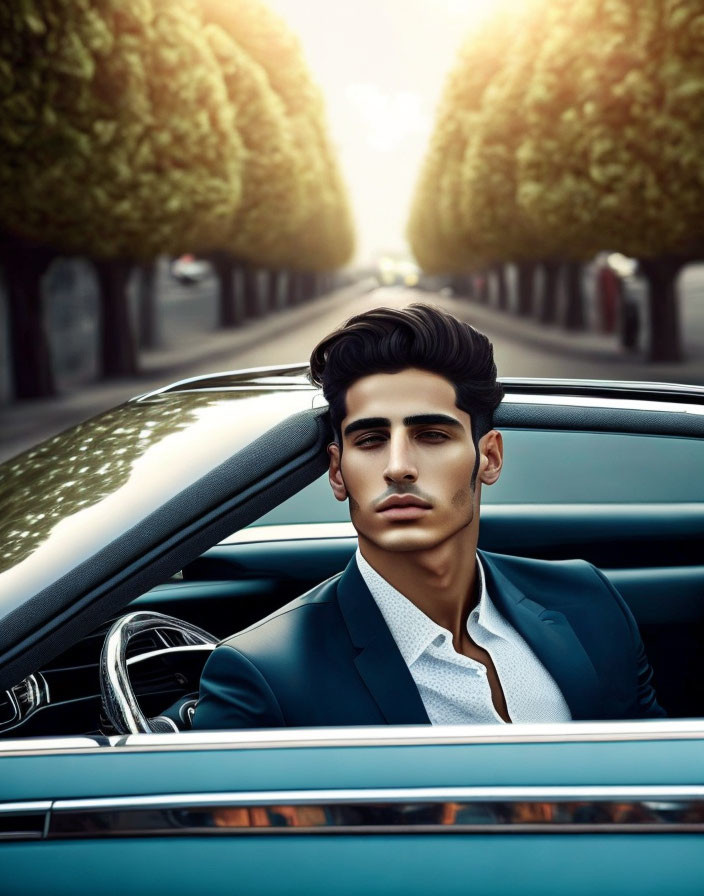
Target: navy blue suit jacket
{"points": [[328, 657]]}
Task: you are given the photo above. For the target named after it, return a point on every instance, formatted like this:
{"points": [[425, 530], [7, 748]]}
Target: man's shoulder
{"points": [[530, 566], [286, 619], [575, 587], [559, 578]]}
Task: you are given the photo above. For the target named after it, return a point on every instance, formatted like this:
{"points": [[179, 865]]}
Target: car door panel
{"points": [[384, 769], [413, 865]]}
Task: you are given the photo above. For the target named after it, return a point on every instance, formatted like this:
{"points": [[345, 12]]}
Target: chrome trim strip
{"points": [[351, 796], [292, 532], [386, 735], [26, 807], [300, 368], [598, 401], [559, 384], [50, 746], [401, 810], [25, 820], [206, 649]]}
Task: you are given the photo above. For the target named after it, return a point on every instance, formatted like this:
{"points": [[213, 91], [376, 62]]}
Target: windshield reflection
{"points": [[81, 489]]}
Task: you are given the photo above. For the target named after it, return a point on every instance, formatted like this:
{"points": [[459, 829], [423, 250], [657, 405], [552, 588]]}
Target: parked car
{"points": [[189, 269], [133, 542]]}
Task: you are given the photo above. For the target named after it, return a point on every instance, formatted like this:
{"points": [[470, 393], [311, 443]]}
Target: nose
{"points": [[401, 465]]}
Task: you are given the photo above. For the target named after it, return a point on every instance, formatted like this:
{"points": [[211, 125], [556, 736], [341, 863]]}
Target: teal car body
{"points": [[207, 502]]}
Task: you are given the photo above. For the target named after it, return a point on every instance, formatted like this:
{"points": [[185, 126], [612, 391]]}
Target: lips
{"points": [[403, 507], [394, 501]]}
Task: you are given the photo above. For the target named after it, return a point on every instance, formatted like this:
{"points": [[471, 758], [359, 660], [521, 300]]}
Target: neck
{"points": [[442, 581]]}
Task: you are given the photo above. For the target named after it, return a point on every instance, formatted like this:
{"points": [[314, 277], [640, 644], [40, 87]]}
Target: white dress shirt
{"points": [[454, 688]]}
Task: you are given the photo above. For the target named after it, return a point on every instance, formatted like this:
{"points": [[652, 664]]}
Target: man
{"points": [[421, 627]]}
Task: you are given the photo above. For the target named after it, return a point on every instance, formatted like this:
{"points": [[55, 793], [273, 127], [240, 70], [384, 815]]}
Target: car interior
{"points": [[618, 486]]}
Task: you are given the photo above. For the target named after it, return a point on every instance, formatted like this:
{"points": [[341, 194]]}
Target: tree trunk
{"points": [[501, 287], [574, 310], [296, 290], [279, 290], [252, 304], [548, 310], [665, 341], [118, 356], [147, 302], [269, 302], [30, 357], [526, 289], [481, 287], [229, 313], [315, 284]]}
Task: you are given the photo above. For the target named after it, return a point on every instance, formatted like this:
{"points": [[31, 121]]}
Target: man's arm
{"points": [[648, 706], [234, 694]]}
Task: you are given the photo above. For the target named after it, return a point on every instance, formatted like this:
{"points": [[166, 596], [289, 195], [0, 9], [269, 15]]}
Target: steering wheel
{"points": [[118, 696]]}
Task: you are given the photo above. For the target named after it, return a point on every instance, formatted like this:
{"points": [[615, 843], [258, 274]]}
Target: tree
{"points": [[116, 139], [315, 232], [440, 239], [25, 265], [271, 207], [616, 120]]}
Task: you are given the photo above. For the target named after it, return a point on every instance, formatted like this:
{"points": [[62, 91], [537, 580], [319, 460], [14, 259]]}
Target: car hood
{"points": [[86, 508]]}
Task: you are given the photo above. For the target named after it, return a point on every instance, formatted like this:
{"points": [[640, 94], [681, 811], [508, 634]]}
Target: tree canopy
{"points": [[322, 238], [582, 132], [116, 135]]}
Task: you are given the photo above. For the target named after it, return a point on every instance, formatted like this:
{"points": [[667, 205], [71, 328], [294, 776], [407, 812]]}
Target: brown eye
{"points": [[369, 440], [434, 435]]}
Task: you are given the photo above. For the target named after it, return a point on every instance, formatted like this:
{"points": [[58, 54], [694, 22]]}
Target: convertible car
{"points": [[133, 542]]}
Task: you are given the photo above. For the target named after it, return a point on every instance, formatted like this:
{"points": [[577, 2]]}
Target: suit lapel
{"points": [[379, 661], [553, 640]]}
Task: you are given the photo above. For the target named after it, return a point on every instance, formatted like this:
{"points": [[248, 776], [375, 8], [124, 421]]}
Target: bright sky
{"points": [[381, 65]]}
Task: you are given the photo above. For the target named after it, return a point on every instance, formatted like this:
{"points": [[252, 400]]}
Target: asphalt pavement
{"points": [[522, 348]]}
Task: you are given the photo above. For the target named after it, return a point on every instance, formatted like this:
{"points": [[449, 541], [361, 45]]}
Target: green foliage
{"points": [[584, 131], [319, 233], [116, 135]]}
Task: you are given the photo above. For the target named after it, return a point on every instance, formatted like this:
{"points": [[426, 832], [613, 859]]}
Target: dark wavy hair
{"points": [[387, 340]]}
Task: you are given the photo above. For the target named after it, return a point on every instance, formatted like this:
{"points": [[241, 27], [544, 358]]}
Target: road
{"points": [[520, 350], [193, 348]]}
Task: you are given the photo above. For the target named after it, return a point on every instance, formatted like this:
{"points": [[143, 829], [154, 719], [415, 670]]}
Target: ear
{"points": [[491, 451], [335, 473]]}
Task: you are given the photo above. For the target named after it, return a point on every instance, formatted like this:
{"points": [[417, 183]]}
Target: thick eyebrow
{"points": [[415, 420], [367, 423], [431, 419]]}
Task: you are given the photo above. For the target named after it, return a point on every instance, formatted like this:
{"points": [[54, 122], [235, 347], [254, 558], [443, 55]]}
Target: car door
{"points": [[612, 808]]}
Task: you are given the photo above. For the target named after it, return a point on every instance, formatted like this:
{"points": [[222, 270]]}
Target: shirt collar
{"points": [[410, 628]]}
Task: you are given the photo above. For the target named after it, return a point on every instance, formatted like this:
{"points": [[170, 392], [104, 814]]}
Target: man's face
{"points": [[407, 461]]}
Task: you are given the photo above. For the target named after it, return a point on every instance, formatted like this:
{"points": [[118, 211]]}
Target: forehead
{"points": [[403, 394]]}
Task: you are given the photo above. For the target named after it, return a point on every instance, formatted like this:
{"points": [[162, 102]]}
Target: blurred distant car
{"points": [[189, 269], [397, 271], [205, 506]]}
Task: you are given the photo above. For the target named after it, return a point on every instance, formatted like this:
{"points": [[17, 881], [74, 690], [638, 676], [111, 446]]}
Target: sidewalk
{"points": [[602, 349]]}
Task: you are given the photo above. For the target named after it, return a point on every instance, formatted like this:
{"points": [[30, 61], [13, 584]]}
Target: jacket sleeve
{"points": [[234, 694], [647, 704]]}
